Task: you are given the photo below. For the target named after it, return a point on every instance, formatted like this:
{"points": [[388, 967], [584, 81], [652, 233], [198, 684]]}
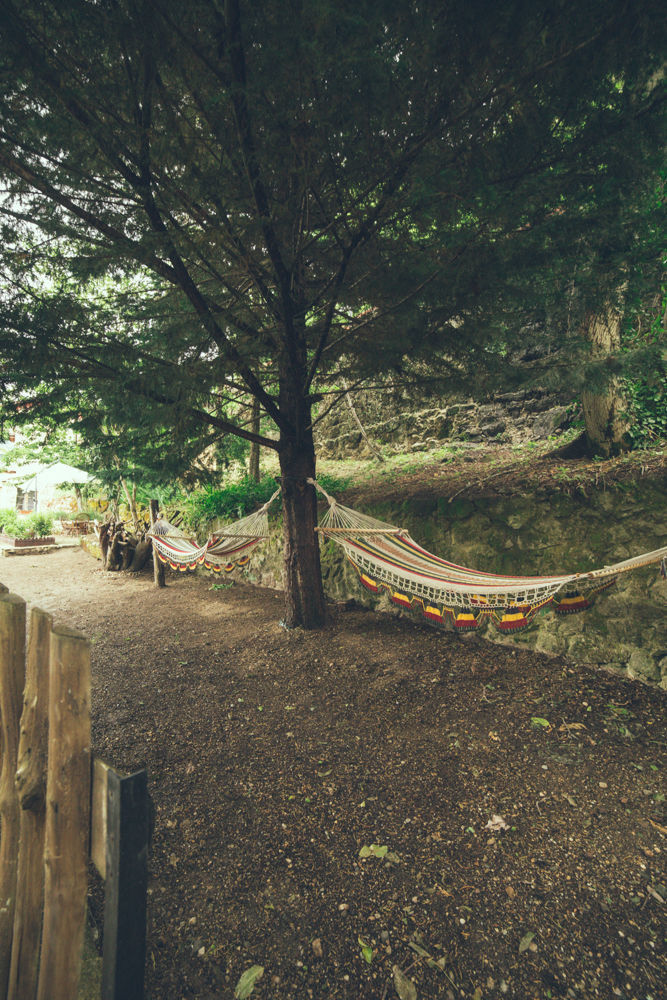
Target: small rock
{"points": [[385, 936], [317, 948], [343, 907]]}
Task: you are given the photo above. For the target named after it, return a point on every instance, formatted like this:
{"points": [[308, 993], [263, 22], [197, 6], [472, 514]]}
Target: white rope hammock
{"points": [[226, 549], [387, 558]]}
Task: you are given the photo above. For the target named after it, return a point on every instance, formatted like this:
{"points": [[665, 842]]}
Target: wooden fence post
{"points": [[124, 951], [158, 567], [31, 788], [12, 673], [67, 815]]}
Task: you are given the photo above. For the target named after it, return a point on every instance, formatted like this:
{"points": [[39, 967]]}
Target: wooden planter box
{"points": [[24, 543]]}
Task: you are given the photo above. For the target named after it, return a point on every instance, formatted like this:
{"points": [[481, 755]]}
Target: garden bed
{"points": [[20, 543]]}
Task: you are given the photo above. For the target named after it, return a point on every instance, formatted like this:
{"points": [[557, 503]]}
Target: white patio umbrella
{"points": [[54, 475]]}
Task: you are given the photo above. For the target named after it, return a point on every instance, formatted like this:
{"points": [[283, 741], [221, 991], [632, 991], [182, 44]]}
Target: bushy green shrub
{"points": [[5, 514], [238, 499], [647, 405], [32, 526], [231, 502], [39, 525], [11, 524]]}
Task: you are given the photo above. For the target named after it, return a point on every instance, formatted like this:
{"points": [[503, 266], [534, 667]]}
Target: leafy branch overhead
{"points": [[209, 203]]}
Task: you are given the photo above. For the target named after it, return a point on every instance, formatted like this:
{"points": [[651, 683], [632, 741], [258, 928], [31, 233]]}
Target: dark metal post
{"points": [[124, 951]]}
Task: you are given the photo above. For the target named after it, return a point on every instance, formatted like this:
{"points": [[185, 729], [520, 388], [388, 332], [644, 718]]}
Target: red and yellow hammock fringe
{"points": [[513, 618]]}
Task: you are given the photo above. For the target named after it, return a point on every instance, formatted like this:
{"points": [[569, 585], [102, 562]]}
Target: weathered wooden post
{"points": [[158, 567], [67, 815], [30, 783], [12, 674]]}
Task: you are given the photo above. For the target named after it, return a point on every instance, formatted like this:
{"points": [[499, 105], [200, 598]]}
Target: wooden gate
{"points": [[48, 830]]}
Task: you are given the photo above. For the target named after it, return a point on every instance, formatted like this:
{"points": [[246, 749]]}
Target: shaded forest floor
{"points": [[498, 470], [381, 795]]}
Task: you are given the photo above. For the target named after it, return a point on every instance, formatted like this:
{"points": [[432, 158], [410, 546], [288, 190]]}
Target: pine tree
{"points": [[259, 198]]}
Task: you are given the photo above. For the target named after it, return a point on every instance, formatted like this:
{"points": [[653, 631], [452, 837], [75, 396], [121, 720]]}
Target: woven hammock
{"points": [[387, 559], [225, 550]]}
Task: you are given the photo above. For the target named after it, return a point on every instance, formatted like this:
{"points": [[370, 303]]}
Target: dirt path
{"points": [[275, 757]]}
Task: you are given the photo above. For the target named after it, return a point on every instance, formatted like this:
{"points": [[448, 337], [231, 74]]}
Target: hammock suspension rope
{"points": [[387, 559]]}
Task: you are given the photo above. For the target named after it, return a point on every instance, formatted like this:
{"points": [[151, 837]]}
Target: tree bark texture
{"points": [[604, 412], [158, 567], [67, 815], [131, 499], [12, 674], [31, 789], [121, 550], [304, 593], [253, 464]]}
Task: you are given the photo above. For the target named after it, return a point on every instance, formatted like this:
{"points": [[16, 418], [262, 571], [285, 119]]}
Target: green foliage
{"points": [[9, 522], [194, 230], [647, 408], [33, 526], [237, 499], [229, 503], [334, 484], [41, 524]]}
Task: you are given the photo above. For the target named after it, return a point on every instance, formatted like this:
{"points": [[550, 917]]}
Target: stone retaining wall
{"points": [[512, 418], [625, 630]]}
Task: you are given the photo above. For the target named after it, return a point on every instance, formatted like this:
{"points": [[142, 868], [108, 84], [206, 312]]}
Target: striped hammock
{"points": [[387, 559], [225, 550]]}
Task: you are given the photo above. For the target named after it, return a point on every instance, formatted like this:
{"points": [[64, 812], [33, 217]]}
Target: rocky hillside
{"points": [[395, 423]]}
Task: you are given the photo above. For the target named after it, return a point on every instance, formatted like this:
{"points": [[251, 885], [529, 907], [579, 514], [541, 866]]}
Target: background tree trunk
{"points": [[253, 464], [604, 412], [158, 567], [355, 416], [131, 499], [304, 593]]}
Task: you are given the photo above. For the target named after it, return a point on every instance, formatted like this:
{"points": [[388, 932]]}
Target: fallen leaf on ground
{"points": [[405, 988], [366, 950], [496, 823], [246, 983], [525, 942]]}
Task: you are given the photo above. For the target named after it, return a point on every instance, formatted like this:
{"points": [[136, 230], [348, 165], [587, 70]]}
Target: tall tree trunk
{"points": [[355, 416], [131, 502], [304, 594], [604, 412], [253, 465]]}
